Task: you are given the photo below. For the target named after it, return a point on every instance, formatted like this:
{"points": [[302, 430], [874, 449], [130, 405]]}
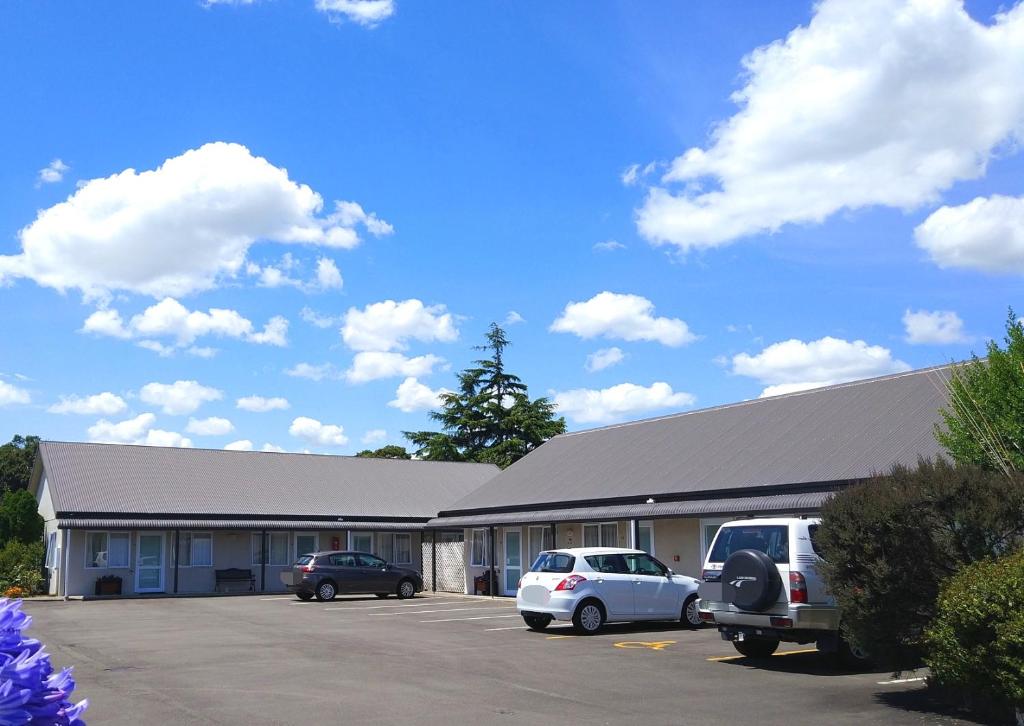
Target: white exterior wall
{"points": [[44, 505]]}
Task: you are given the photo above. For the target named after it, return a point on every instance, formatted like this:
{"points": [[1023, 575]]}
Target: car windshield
{"points": [[772, 539], [553, 562]]}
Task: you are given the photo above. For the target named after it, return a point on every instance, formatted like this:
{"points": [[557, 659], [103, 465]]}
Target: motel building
{"points": [[140, 520], [666, 484]]}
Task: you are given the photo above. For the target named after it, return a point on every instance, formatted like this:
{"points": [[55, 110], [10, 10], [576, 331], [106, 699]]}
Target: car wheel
{"points": [[691, 612], [852, 656], [588, 618], [756, 647], [406, 589], [304, 595], [383, 595], [326, 591], [537, 622]]}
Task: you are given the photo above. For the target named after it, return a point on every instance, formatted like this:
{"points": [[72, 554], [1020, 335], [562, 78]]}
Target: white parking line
{"points": [[901, 680], [447, 610], [276, 598], [514, 627], [403, 605], [481, 617]]}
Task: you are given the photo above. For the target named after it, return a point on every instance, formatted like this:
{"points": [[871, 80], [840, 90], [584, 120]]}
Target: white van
{"points": [[761, 586]]}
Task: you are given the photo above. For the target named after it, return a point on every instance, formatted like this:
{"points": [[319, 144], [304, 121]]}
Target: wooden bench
{"points": [[234, 574]]}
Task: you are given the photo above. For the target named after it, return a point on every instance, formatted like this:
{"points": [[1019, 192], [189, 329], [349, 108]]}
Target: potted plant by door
{"points": [[108, 585]]}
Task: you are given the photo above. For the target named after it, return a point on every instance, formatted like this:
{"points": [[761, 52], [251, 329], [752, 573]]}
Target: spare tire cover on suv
{"points": [[750, 580]]}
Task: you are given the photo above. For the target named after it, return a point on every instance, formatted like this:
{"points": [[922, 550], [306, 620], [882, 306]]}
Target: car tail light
{"points": [[706, 616], [797, 587], [782, 622], [570, 582], [712, 575], [309, 568], [520, 583]]}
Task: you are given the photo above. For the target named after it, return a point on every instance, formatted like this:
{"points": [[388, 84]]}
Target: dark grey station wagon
{"points": [[325, 574]]}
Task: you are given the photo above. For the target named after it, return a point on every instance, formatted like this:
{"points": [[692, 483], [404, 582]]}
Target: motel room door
{"points": [[149, 562], [513, 560]]}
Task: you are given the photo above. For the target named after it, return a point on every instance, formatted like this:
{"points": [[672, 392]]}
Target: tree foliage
{"points": [[490, 418], [391, 451], [16, 459], [19, 517], [889, 542], [984, 424]]}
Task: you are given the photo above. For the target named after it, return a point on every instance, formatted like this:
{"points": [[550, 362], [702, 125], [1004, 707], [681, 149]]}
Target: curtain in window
{"points": [[202, 550], [609, 535], [279, 548], [362, 542], [591, 535], [257, 549], [96, 549], [646, 538], [118, 553], [479, 552], [305, 544], [386, 546], [403, 548]]}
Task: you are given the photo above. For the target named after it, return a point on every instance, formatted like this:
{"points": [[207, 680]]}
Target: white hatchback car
{"points": [[594, 585]]}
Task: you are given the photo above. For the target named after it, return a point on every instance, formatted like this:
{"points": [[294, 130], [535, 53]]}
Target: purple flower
{"points": [[30, 692]]}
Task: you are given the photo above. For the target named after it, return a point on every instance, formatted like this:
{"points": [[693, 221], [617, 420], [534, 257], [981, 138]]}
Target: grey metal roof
{"points": [[834, 434], [248, 524], [772, 503], [123, 479]]}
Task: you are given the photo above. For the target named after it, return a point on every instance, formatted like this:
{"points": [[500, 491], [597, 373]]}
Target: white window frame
{"points": [[352, 534], [295, 541], [394, 547], [484, 549], [107, 534], [545, 535], [51, 551], [191, 549], [711, 521], [600, 528]]}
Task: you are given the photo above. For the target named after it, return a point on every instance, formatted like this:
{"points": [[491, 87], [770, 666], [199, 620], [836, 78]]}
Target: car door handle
{"points": [[637, 582], [599, 580]]}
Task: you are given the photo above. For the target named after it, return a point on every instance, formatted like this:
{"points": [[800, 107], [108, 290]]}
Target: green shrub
{"points": [[21, 565], [975, 645], [19, 517], [890, 542]]}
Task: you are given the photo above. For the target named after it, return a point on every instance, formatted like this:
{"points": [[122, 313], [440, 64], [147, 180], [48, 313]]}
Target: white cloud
{"points": [[52, 173], [314, 318], [856, 109], [318, 433], [201, 352], [180, 397], [375, 436], [11, 394], [274, 448], [985, 234], [934, 326], [389, 324], [588, 405], [514, 318], [368, 13], [138, 430], [99, 404], [604, 358], [608, 246], [240, 445], [177, 229], [259, 404], [328, 276], [373, 365], [626, 317], [412, 395], [794, 365], [212, 426], [313, 372], [630, 175], [170, 319]]}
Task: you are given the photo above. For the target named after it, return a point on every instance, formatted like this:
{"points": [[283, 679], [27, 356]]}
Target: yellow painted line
{"points": [[785, 652], [557, 637], [640, 644]]}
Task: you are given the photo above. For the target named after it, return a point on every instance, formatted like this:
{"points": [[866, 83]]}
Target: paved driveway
{"points": [[436, 660]]}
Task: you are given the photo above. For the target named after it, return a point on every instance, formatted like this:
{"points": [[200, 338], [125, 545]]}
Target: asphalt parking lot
{"points": [[434, 660]]}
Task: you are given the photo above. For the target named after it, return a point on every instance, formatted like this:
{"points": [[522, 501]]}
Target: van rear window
{"points": [[553, 562], [772, 539]]}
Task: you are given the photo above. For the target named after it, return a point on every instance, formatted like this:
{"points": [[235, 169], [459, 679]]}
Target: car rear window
{"points": [[772, 539], [553, 562], [812, 531], [304, 560]]}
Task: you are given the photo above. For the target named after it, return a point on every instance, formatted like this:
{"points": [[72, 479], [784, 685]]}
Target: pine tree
{"points": [[490, 418]]}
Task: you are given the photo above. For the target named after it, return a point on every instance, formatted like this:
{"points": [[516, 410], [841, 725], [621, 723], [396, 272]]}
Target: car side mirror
{"points": [[669, 572]]}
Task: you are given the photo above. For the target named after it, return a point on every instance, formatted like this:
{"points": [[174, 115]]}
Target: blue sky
{"points": [[715, 200]]}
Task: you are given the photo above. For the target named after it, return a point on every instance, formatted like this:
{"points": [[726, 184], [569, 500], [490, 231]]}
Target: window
{"points": [[605, 534], [277, 549], [708, 529], [362, 541], [553, 562], [51, 550], [478, 552], [644, 565], [539, 540], [607, 563], [403, 549], [195, 549], [772, 539], [386, 546], [106, 549], [646, 532], [364, 560], [812, 532], [305, 543], [343, 560]]}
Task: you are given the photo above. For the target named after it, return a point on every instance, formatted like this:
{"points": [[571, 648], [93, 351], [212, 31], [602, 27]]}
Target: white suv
{"points": [[594, 585], [761, 586]]}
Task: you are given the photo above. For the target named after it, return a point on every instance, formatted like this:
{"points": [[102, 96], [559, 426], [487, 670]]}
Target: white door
{"points": [[513, 560], [149, 563], [654, 594]]}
